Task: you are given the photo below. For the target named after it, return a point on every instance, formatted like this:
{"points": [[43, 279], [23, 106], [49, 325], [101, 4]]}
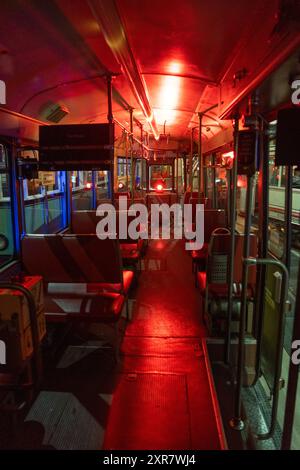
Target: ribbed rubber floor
{"points": [[162, 399]]}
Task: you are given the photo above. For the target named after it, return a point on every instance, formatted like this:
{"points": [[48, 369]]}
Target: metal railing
{"points": [[37, 358], [237, 421]]}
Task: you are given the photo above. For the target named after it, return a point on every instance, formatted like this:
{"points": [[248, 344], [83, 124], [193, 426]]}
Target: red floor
{"points": [[163, 399]]}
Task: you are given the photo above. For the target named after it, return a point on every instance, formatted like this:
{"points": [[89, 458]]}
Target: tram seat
{"points": [[188, 195], [85, 222], [203, 200], [83, 276], [213, 218], [122, 194], [213, 283]]}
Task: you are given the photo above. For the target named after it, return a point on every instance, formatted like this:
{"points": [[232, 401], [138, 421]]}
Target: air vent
{"points": [[54, 112]]}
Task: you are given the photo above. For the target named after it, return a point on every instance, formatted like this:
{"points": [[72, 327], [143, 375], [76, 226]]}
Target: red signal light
{"points": [[159, 187], [88, 186]]}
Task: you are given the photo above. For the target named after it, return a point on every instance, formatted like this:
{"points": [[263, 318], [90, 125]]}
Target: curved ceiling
{"points": [[55, 52]]}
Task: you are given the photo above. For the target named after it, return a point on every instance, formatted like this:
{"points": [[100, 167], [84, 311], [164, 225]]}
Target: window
{"points": [[161, 174], [102, 186], [45, 202], [276, 202], [82, 190], [6, 211]]}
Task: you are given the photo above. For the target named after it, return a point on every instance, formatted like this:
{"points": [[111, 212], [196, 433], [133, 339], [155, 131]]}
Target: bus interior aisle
{"points": [[149, 226], [159, 395]]}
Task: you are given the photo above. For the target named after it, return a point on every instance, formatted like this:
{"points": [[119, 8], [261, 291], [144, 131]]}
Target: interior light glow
{"points": [[88, 186], [228, 155], [168, 95], [159, 187]]}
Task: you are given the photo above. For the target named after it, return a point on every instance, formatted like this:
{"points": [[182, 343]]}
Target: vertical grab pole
{"points": [[288, 215], [110, 120], [232, 190], [177, 177], [214, 195], [200, 163], [263, 186], [126, 159], [142, 160], [191, 161], [131, 154], [236, 422]]}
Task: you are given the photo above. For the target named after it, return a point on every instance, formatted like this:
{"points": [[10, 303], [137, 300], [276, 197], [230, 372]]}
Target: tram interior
{"points": [[138, 342]]}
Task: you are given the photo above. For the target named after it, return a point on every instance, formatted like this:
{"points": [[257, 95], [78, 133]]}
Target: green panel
{"points": [[271, 325], [6, 229]]}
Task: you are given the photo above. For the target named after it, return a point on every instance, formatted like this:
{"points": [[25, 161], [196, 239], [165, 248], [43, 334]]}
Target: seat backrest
{"points": [[218, 258], [194, 201], [85, 222], [213, 218], [122, 194], [188, 195], [72, 258]]}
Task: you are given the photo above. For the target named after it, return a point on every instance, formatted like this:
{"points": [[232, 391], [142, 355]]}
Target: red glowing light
{"points": [[228, 155], [241, 183], [159, 187], [88, 186], [121, 185]]}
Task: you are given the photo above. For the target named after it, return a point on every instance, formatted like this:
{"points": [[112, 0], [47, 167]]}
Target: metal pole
{"points": [[142, 162], [214, 195], [131, 154], [126, 157], [237, 422], [110, 120], [191, 160], [288, 215], [232, 189], [263, 188], [200, 163], [33, 323], [177, 177]]}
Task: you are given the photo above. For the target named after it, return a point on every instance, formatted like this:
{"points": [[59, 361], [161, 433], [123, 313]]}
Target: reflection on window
{"points": [[276, 204], [82, 190], [102, 186], [45, 202]]}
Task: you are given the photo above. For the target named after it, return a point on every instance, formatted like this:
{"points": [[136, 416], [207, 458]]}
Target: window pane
{"points": [[161, 174], [82, 190], [45, 202], [295, 253], [276, 203], [102, 186]]}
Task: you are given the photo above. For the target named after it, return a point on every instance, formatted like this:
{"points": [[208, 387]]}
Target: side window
{"points": [[82, 190], [6, 211], [276, 202], [45, 202]]}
